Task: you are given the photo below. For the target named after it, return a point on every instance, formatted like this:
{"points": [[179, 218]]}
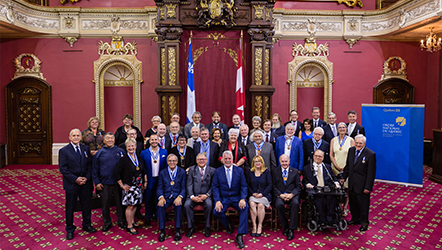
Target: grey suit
{"points": [[195, 188], [267, 154], [188, 127]]}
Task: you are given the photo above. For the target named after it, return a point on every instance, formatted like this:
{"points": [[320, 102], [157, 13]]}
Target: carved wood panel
{"points": [[393, 91]]}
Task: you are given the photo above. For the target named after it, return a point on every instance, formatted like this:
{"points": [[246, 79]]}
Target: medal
{"points": [[182, 158], [340, 148], [134, 161], [183, 154], [288, 148], [259, 152], [172, 176], [172, 183], [154, 156], [258, 148], [288, 142], [155, 161], [138, 168], [341, 143], [285, 178]]}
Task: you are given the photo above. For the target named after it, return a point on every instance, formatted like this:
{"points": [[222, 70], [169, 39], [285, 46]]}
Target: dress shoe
{"points": [[190, 232], [69, 236], [285, 232], [136, 225], [252, 234], [352, 222], [106, 228], [229, 229], [207, 232], [122, 225], [132, 230], [177, 235], [162, 236], [89, 229], [239, 241], [290, 235], [363, 228]]}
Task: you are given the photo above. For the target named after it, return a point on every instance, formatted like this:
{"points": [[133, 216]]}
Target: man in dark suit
{"points": [[244, 135], [230, 189], [196, 117], [320, 174], [269, 135], [294, 121], [361, 171], [353, 128], [199, 192], [236, 120], [331, 129], [174, 133], [292, 146], [316, 112], [209, 148], [314, 143], [216, 118], [164, 140], [132, 133], [154, 158], [171, 190], [262, 148], [75, 164], [175, 118], [286, 188]]}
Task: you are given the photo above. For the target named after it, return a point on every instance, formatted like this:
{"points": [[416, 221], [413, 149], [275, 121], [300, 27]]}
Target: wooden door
{"points": [[393, 91], [29, 121]]}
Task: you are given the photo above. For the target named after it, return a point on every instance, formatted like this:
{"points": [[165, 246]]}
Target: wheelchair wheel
{"points": [[342, 224], [312, 226]]}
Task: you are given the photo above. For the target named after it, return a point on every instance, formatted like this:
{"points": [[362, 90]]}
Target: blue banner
{"points": [[396, 134], [191, 106]]}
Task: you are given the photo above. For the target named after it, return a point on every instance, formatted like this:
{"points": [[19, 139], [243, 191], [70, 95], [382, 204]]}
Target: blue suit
{"points": [[296, 152], [71, 167], [152, 182], [170, 193], [231, 196]]}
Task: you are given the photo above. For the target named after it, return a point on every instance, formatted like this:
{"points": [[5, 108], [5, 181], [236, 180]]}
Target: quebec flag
{"points": [[190, 86]]}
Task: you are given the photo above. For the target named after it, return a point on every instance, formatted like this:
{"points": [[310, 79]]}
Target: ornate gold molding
{"points": [[172, 66], [258, 105], [258, 66], [395, 67], [31, 66], [259, 11], [163, 66]]}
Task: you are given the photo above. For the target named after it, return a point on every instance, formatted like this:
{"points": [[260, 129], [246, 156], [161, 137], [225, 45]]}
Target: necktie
{"points": [[320, 177], [267, 137], [244, 141], [316, 124], [357, 155], [202, 174], [334, 130], [229, 179], [284, 176], [78, 152], [174, 140], [161, 142]]}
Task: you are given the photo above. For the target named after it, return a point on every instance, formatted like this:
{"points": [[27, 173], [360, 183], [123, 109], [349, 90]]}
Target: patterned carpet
{"points": [[32, 217]]}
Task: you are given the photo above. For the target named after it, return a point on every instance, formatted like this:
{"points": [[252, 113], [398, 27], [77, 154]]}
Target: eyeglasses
{"points": [[172, 160]]}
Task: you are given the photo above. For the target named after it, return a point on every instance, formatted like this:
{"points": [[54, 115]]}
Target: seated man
{"points": [[171, 189], [199, 192], [320, 174], [286, 188], [230, 189]]}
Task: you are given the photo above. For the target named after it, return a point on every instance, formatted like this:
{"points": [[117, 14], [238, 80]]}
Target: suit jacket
{"points": [[267, 154], [146, 156], [272, 137], [311, 178], [189, 159], [279, 131], [321, 123], [309, 150], [126, 170], [328, 133], [232, 127], [298, 126], [213, 155], [220, 187], [293, 184], [194, 185], [357, 130], [188, 127], [164, 187], [248, 141], [296, 152], [221, 126], [71, 167], [361, 174], [262, 185]]}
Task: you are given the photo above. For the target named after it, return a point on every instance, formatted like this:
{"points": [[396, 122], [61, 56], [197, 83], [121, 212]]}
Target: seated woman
{"points": [[120, 134], [238, 150], [307, 130], [185, 154], [259, 181], [93, 136], [217, 135]]}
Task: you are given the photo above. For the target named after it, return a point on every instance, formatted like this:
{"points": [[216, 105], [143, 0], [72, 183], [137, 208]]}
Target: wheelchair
{"points": [[312, 213]]}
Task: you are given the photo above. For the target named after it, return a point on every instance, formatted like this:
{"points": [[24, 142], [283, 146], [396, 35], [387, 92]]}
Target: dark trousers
{"points": [[106, 194], [84, 193], [325, 206], [294, 211], [243, 227], [161, 214], [359, 206], [150, 201], [190, 204]]}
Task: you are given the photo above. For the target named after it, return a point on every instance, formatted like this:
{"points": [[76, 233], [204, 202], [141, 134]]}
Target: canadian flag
{"points": [[240, 98]]}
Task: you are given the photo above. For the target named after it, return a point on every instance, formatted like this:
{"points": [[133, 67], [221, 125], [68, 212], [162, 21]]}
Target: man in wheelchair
{"points": [[323, 190]]}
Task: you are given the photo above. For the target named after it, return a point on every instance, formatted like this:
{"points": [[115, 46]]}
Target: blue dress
{"points": [[304, 136]]}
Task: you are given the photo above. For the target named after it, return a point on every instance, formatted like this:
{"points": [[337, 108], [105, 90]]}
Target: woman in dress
{"points": [[339, 147], [185, 154], [259, 181], [121, 133], [131, 175], [217, 135], [238, 149], [307, 130], [93, 136]]}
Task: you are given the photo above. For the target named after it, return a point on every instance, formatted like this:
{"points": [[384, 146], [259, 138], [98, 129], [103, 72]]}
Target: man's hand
{"points": [[202, 197], [177, 201], [341, 181], [289, 196], [366, 191], [81, 181], [161, 202], [196, 199], [99, 186], [309, 185], [218, 206], [242, 204], [283, 196]]}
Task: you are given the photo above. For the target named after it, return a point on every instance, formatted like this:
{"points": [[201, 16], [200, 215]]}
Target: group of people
{"points": [[217, 167]]}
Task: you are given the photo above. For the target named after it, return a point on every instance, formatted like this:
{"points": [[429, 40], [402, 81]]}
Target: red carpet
{"points": [[32, 217]]}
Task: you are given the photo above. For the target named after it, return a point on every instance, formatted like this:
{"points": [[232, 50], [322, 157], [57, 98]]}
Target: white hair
{"points": [[75, 129], [319, 129], [364, 139], [227, 152], [234, 131], [156, 117]]}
